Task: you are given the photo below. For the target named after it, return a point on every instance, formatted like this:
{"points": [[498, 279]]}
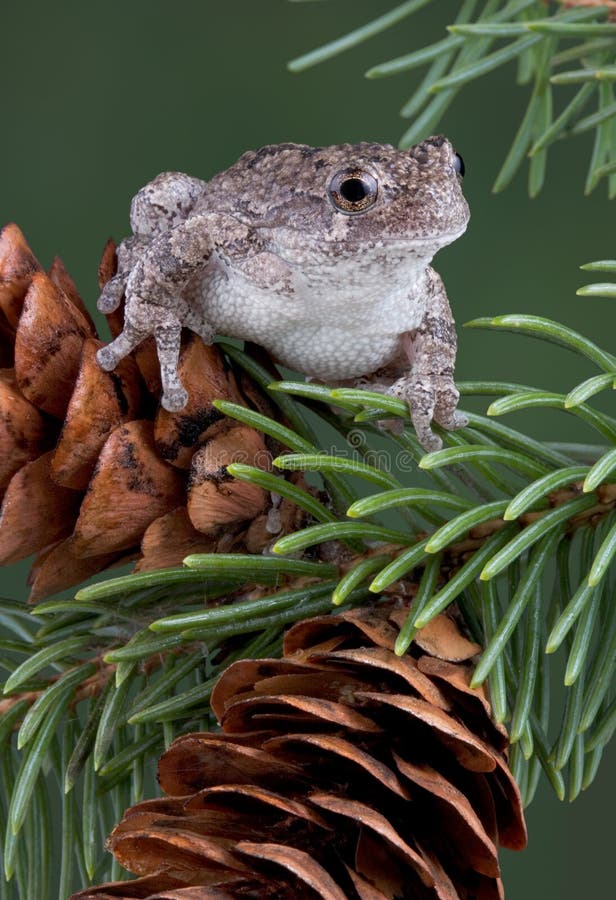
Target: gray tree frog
{"points": [[319, 254]]}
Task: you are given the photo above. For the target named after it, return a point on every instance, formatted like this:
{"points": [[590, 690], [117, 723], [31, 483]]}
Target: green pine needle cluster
{"points": [[520, 534], [566, 57]]}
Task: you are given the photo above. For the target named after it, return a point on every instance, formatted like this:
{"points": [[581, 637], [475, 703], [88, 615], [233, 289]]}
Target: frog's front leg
{"points": [[161, 204], [160, 295], [128, 252], [429, 387], [166, 328]]}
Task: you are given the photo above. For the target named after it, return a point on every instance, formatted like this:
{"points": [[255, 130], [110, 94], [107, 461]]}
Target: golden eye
{"points": [[353, 190]]}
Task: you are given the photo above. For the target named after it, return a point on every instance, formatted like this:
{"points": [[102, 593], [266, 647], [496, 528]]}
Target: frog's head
{"points": [[412, 195], [359, 197]]}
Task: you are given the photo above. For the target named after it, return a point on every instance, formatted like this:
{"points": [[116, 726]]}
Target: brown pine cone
{"points": [[342, 771], [93, 471]]}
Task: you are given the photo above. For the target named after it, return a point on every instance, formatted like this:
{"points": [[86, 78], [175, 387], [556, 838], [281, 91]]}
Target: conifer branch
{"points": [[541, 37]]}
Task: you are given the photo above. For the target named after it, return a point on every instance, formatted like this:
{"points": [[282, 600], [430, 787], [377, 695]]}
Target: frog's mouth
{"points": [[358, 243]]}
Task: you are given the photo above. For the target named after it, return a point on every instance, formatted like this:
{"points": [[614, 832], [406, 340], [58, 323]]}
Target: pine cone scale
{"points": [[389, 871], [470, 752], [249, 672], [237, 793], [243, 714], [143, 486], [441, 639], [99, 403], [205, 377], [365, 816], [194, 857], [365, 890], [298, 863], [508, 806], [195, 762], [57, 565], [23, 434], [214, 498], [48, 343], [65, 284], [169, 538], [381, 659], [340, 755], [17, 266], [35, 511], [458, 680], [477, 845]]}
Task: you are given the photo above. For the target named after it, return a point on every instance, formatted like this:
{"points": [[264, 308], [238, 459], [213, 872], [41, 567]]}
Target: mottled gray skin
{"points": [[339, 289]]}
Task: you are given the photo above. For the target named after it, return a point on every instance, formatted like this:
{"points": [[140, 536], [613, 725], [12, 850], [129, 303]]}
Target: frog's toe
{"points": [[445, 412], [421, 417], [459, 420], [111, 296], [393, 426], [107, 358], [452, 420], [174, 399], [428, 439]]}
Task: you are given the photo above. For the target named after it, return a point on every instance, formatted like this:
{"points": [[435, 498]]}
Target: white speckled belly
{"points": [[332, 354], [322, 333]]}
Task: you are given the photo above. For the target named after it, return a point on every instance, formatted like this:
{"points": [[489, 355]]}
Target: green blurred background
{"points": [[98, 98]]}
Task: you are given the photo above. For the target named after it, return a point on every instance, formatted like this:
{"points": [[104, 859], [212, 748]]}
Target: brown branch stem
{"points": [[610, 5]]}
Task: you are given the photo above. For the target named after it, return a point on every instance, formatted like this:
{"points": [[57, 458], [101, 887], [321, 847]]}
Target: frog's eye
{"points": [[353, 190], [459, 165]]}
